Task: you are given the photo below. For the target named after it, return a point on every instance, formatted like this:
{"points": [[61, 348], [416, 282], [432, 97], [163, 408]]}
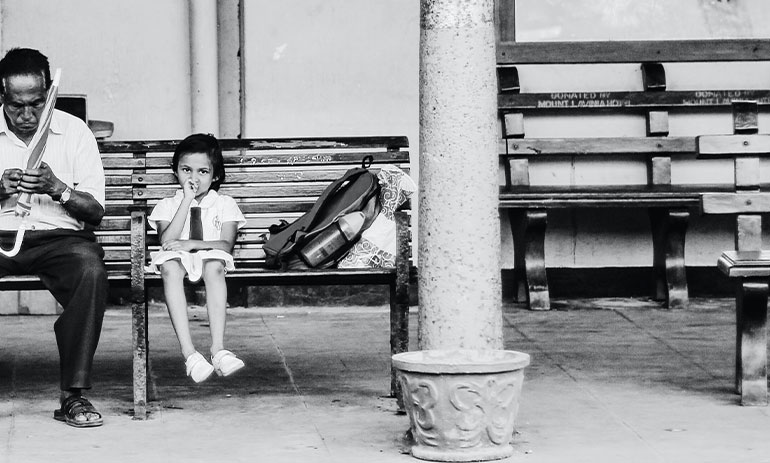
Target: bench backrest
{"points": [[114, 232], [654, 103], [271, 179]]}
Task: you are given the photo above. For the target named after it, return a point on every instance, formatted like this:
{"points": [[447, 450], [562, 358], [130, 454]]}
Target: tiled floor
{"points": [[611, 380]]}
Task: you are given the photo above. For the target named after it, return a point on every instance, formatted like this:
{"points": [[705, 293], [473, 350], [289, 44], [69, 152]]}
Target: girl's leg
{"points": [[173, 274], [216, 301]]}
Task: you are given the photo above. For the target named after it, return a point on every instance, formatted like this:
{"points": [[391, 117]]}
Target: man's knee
{"points": [[89, 262]]}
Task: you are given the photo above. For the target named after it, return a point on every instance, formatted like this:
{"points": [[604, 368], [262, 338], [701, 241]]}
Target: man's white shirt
{"points": [[72, 154]]}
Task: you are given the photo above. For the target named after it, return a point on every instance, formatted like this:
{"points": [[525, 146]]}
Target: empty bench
{"points": [[271, 180], [748, 265], [669, 204]]}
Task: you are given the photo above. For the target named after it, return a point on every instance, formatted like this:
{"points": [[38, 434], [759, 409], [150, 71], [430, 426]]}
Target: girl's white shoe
{"points": [[198, 368], [226, 363]]}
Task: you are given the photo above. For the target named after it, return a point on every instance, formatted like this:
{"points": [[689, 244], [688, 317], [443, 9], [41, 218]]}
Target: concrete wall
{"points": [[331, 67]]}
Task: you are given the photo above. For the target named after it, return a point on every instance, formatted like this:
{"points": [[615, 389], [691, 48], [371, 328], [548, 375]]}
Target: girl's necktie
{"points": [[196, 225]]}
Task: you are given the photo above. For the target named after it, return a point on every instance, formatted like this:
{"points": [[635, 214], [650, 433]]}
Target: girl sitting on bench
{"points": [[197, 229]]}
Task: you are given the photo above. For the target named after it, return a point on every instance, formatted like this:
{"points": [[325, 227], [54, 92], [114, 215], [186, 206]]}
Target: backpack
{"points": [[358, 190]]}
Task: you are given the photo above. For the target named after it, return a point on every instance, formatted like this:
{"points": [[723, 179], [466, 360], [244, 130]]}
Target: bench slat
{"points": [[528, 147], [282, 159], [139, 146], [261, 176], [129, 163], [635, 51], [258, 191], [303, 277], [736, 203], [732, 145], [618, 101]]}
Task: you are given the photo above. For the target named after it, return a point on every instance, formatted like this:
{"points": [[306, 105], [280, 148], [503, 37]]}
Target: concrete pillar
{"points": [[459, 234], [204, 74], [230, 67]]}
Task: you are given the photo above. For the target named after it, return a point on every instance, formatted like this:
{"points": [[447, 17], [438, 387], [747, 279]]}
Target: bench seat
{"points": [[567, 197]]}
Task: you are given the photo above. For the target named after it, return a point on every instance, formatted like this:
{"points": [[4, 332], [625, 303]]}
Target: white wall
{"points": [[332, 67], [130, 57]]}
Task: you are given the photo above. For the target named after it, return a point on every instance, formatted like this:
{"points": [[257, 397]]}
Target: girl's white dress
{"points": [[216, 209]]}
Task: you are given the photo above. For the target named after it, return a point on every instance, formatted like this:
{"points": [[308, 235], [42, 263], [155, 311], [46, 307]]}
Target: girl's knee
{"points": [[213, 269], [172, 269]]}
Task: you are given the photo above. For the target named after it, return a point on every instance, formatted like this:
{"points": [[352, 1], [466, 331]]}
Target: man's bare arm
{"points": [[81, 205]]}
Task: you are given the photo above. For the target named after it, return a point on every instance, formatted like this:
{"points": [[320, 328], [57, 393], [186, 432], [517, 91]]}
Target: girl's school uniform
{"points": [[216, 209]]}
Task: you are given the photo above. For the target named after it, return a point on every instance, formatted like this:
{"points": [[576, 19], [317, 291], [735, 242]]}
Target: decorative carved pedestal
{"points": [[461, 403]]}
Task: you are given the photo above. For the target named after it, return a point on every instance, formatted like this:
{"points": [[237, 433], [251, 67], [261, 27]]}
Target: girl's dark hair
{"points": [[202, 143], [24, 61]]}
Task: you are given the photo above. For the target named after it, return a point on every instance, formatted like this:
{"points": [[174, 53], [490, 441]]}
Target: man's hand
{"points": [[10, 181], [41, 181]]}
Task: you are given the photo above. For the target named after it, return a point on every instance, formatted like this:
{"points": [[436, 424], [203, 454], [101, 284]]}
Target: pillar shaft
{"points": [[230, 38], [459, 224], [204, 70]]}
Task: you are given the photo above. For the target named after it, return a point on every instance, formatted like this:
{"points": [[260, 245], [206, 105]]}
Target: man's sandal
{"points": [[226, 363], [74, 406]]}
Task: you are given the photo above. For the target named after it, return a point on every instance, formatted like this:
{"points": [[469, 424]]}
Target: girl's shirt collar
{"points": [[207, 200]]}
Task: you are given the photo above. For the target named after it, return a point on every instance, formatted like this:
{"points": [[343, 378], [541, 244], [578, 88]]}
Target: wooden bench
{"points": [[669, 204], [748, 265], [271, 179]]}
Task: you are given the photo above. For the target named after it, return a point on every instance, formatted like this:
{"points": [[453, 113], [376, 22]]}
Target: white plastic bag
{"points": [[377, 246]]}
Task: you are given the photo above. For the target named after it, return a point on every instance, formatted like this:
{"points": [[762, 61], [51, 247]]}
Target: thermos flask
{"points": [[333, 239]]}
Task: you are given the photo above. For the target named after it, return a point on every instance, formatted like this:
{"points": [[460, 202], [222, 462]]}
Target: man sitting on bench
{"points": [[67, 193]]}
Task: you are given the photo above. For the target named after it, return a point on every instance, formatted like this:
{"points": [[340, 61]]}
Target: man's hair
{"points": [[202, 143], [24, 61]]}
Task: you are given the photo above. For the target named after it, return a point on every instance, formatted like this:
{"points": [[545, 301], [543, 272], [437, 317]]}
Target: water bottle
{"points": [[333, 240]]}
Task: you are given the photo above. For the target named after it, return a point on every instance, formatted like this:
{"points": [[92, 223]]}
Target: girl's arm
{"points": [[168, 231], [226, 242], [227, 234]]}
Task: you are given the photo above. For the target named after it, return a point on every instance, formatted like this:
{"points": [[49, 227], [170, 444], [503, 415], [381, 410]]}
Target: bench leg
{"points": [[399, 331], [528, 228], [669, 228], [399, 301], [139, 339], [751, 341]]}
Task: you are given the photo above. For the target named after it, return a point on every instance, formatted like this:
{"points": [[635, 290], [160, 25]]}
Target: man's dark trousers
{"points": [[71, 265]]}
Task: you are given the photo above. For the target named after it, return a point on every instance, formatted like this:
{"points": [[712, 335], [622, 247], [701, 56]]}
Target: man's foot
{"points": [[77, 411]]}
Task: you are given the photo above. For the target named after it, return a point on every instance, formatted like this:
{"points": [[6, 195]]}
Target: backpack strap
{"points": [[330, 190]]}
